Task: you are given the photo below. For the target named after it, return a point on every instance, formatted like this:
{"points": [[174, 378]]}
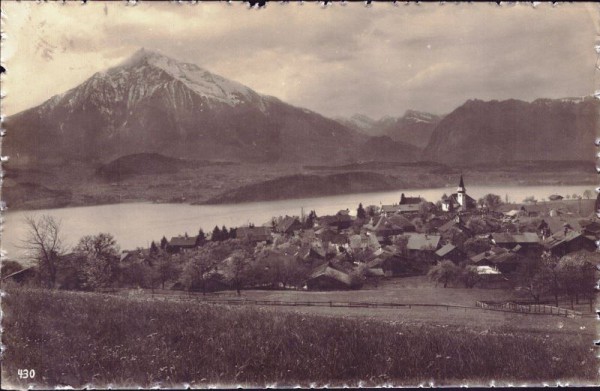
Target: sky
{"points": [[337, 60]]}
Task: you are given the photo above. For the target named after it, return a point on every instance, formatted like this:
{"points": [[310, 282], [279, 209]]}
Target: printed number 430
{"points": [[26, 373]]}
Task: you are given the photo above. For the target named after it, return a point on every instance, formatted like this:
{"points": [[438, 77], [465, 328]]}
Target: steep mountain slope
{"points": [[154, 104], [500, 131]]}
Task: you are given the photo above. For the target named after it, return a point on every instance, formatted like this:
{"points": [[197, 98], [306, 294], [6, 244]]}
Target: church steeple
{"points": [[461, 186]]}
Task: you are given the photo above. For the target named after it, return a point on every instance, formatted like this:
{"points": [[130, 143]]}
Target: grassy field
{"points": [[410, 290], [80, 339]]}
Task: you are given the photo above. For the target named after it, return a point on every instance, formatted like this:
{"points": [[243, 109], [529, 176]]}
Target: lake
{"points": [[137, 224]]}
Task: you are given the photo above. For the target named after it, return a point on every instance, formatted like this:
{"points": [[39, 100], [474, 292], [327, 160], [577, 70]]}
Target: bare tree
{"points": [[44, 243]]}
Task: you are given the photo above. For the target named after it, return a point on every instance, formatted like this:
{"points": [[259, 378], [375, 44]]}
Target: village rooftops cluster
{"points": [[410, 237]]}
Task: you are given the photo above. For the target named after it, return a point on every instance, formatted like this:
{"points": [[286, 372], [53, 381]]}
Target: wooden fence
{"points": [[540, 309], [526, 309]]}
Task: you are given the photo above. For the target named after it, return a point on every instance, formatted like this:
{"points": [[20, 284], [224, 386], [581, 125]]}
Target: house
{"points": [[182, 243], [498, 258], [410, 200], [451, 252], [590, 228], [288, 225], [392, 225], [327, 235], [255, 234], [509, 241], [423, 242], [567, 242], [459, 201], [456, 223], [387, 210], [409, 209], [326, 277], [339, 221]]}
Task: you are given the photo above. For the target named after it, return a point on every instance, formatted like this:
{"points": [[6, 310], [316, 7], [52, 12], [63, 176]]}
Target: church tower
{"points": [[461, 194]]}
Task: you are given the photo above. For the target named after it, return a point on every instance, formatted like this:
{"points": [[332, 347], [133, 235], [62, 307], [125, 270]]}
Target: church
{"points": [[459, 201]]}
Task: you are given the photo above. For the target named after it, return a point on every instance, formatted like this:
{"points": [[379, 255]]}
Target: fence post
{"points": [[330, 304]]}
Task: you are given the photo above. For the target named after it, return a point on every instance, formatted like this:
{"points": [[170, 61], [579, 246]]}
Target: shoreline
{"points": [[8, 209]]}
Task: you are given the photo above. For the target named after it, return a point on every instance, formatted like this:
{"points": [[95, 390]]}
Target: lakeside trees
{"points": [[44, 242]]}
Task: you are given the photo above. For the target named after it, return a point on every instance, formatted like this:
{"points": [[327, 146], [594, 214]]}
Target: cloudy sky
{"points": [[338, 60]]}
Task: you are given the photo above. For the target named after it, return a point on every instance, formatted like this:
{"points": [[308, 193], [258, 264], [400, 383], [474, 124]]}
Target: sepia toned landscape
{"points": [[384, 207]]}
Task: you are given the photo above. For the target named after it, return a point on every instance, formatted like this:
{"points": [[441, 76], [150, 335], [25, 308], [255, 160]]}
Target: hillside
{"points": [[146, 164], [511, 130], [302, 186]]}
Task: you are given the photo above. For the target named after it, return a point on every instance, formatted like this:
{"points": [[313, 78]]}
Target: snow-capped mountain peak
{"points": [[199, 80]]}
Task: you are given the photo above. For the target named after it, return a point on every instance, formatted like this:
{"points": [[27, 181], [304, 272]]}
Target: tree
{"points": [[9, 267], [469, 276], [101, 255], [492, 201], [164, 267], [568, 196], [426, 209], [418, 223], [530, 199], [164, 243], [216, 235], [360, 212], [588, 194], [44, 243], [310, 220], [240, 262], [456, 237], [372, 210], [576, 273], [443, 272], [201, 238], [199, 267], [224, 233], [474, 246], [232, 233], [153, 248]]}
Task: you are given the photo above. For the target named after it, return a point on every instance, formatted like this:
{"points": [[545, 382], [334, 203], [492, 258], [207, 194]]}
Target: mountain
{"points": [[513, 130], [414, 127], [154, 104], [361, 123]]}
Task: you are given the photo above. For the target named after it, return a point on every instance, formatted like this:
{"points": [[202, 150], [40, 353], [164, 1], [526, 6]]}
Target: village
{"points": [[457, 241]]}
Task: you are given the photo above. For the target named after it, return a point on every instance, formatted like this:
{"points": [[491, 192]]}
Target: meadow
{"points": [[96, 340]]}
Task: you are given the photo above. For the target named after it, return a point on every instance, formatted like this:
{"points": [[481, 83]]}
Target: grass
{"points": [[411, 290], [80, 339]]}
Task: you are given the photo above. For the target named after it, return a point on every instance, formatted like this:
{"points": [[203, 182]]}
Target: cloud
{"points": [[336, 60]]}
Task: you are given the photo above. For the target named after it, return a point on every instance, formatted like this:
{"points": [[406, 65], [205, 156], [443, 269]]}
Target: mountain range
{"points": [[414, 127], [154, 104]]}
